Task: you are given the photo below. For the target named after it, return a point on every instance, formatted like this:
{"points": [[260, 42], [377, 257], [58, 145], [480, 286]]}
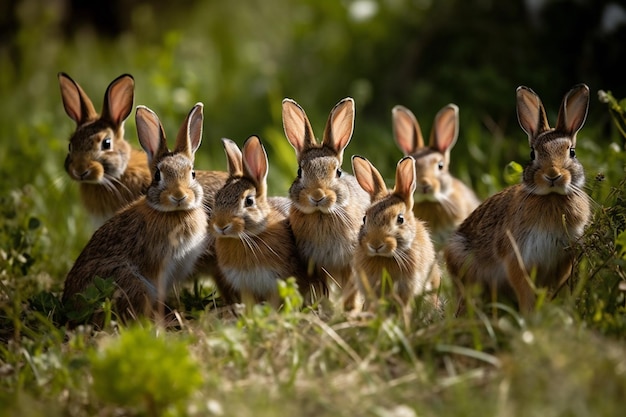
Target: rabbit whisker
{"points": [[251, 244]]}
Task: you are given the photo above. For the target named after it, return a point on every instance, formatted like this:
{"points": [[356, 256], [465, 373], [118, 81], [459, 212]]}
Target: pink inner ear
{"points": [[405, 178], [119, 100], [255, 160], [406, 129], [296, 125]]}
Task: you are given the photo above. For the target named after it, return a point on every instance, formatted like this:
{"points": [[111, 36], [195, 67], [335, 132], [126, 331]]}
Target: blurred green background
{"points": [[241, 58]]}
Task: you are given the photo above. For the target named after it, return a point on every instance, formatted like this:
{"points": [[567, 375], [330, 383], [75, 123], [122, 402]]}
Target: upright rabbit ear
{"points": [[118, 99], [405, 180], [255, 163], [340, 126], [297, 127], [573, 111], [234, 158], [150, 133], [446, 129], [530, 113], [368, 177], [190, 133], [406, 130], [76, 103]]}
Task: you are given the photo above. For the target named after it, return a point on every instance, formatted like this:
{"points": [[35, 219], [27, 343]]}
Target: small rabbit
{"points": [[529, 229], [327, 204], [392, 240], [441, 200], [111, 173], [156, 239], [254, 243]]}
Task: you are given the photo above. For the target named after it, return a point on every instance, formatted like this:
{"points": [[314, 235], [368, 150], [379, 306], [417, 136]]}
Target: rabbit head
{"points": [[432, 162], [97, 150], [553, 167], [174, 187], [241, 206], [320, 186], [389, 225]]}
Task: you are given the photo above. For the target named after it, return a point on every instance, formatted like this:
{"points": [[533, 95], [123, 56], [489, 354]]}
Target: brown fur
{"points": [[540, 219], [156, 240], [391, 239], [254, 243], [327, 203], [441, 200]]}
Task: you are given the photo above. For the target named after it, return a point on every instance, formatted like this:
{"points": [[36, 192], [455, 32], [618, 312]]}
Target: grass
{"points": [[565, 359]]}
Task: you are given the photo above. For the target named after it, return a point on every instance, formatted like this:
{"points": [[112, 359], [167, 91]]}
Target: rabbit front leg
{"points": [[520, 282]]}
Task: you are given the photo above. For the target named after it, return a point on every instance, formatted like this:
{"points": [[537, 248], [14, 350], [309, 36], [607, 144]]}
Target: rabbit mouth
{"points": [[376, 249]]}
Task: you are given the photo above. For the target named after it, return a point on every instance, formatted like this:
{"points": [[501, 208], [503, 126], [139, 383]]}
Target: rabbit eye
{"points": [[572, 153], [532, 154], [339, 172], [157, 175], [364, 218], [440, 165], [193, 175], [299, 172], [400, 219], [249, 201], [106, 144], [69, 147]]}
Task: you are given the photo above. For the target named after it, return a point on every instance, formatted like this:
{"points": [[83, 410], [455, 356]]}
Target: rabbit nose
{"points": [[178, 198], [222, 230], [82, 175], [317, 196], [552, 177], [376, 247]]}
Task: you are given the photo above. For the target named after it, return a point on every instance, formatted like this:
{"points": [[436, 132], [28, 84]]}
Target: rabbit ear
{"points": [[297, 126], [234, 158], [340, 126], [446, 129], [530, 112], [76, 103], [118, 99], [406, 130], [255, 163], [405, 180], [573, 111], [150, 133], [190, 133], [368, 177]]}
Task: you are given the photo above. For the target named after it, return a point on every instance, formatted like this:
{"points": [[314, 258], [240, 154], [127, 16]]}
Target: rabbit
{"points": [[392, 240], [327, 203], [156, 240], [254, 243], [529, 229], [441, 200], [111, 173]]}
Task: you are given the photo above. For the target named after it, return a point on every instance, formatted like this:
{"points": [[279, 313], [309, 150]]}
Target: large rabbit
{"points": [[156, 240], [392, 240], [529, 230], [254, 243], [441, 200], [327, 204], [111, 173]]}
